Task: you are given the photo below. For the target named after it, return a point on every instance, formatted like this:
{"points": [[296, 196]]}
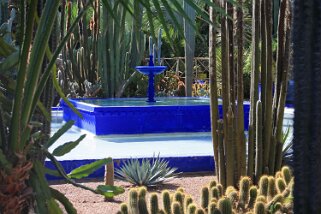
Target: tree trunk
{"points": [[307, 121]]}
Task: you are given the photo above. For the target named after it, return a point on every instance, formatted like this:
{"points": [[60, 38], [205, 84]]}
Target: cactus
{"points": [[204, 197], [142, 206], [212, 208], [124, 208], [225, 206], [191, 209], [233, 196], [200, 211], [161, 212], [166, 201], [286, 173], [263, 185], [177, 208], [187, 201], [261, 198], [133, 201], [221, 157], [153, 203], [221, 189], [259, 144], [280, 185], [245, 183], [271, 188], [253, 195], [215, 193], [276, 199], [179, 197], [259, 208], [213, 183], [278, 206], [229, 189], [180, 189]]}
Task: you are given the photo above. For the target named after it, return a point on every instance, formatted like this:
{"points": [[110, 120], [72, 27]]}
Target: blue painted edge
{"points": [[183, 164]]}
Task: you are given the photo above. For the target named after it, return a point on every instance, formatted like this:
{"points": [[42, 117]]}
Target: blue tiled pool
{"points": [[136, 116]]}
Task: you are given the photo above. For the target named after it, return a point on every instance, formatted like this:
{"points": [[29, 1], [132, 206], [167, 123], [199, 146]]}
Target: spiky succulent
{"points": [[147, 172]]}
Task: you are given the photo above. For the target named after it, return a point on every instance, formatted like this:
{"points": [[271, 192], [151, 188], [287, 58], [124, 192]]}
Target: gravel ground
{"points": [[87, 202]]}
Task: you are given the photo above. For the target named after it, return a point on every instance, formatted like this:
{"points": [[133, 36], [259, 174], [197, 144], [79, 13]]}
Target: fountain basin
{"points": [[135, 116], [151, 69]]}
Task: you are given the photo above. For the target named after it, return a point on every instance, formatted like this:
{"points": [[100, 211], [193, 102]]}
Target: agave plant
{"points": [[146, 173]]}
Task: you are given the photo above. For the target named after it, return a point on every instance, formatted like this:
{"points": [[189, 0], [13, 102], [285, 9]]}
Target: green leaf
{"points": [[87, 169], [67, 147], [52, 172], [53, 207], [58, 134], [9, 62], [63, 200], [109, 191]]}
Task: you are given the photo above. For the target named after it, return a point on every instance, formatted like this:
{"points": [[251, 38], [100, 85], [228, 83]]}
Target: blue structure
{"points": [[151, 71], [135, 116]]}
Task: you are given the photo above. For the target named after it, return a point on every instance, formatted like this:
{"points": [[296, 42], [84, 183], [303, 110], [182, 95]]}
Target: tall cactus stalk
{"points": [[254, 84], [221, 157], [264, 152], [213, 86], [189, 34], [259, 149], [241, 158], [268, 88]]}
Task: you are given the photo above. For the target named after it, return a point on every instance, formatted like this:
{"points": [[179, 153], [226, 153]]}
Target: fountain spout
{"points": [[151, 70]]}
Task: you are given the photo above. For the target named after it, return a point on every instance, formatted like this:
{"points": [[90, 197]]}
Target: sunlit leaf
{"points": [[87, 169], [67, 147], [109, 191]]}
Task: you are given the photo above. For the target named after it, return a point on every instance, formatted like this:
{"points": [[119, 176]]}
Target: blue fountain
{"points": [[151, 70]]}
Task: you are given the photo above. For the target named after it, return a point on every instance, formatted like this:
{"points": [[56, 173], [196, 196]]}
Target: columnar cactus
{"points": [[225, 206], [253, 195], [245, 184], [263, 185], [154, 203], [204, 197], [259, 208], [133, 201], [166, 201]]}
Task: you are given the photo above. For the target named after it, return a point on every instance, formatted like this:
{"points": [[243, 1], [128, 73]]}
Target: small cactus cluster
{"points": [[272, 195]]}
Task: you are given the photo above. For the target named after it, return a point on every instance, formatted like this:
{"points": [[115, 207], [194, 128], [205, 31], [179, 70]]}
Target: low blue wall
{"points": [[183, 164], [105, 120]]}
